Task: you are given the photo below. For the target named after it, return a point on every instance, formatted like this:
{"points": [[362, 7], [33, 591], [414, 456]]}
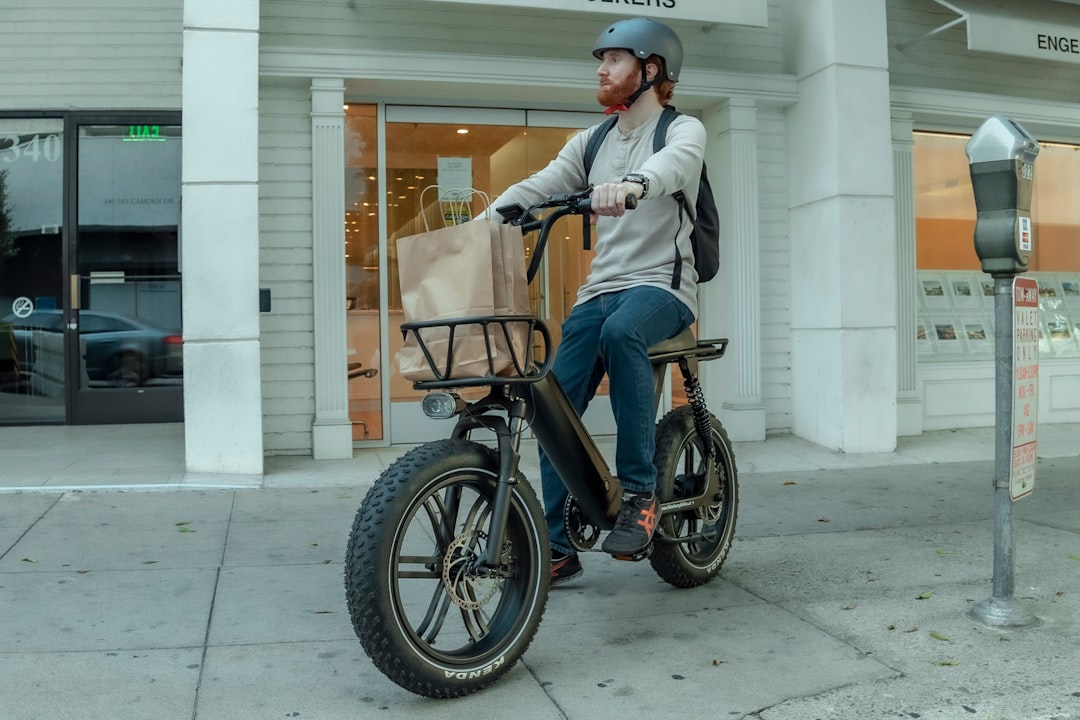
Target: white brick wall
{"points": [[90, 54]]}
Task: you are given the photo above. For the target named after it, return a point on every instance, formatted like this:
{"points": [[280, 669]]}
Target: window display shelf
{"points": [[955, 318]]}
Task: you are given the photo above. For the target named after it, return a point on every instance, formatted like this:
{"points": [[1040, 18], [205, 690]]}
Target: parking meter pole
{"points": [[1004, 583], [1001, 609]]}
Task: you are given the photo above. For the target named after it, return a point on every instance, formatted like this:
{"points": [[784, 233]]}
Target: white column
{"points": [[909, 410], [730, 305], [843, 237], [331, 431], [220, 238]]}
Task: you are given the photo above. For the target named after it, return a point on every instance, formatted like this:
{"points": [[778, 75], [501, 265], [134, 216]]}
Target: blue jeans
{"points": [[612, 333]]}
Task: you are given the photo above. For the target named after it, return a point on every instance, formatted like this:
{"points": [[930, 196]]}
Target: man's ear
{"points": [[652, 71]]}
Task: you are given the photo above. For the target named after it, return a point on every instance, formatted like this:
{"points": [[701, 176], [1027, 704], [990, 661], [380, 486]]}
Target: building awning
{"points": [[1039, 29], [734, 12]]}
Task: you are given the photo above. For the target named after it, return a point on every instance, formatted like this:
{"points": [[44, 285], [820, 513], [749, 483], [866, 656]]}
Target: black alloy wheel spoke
{"points": [[436, 615]]}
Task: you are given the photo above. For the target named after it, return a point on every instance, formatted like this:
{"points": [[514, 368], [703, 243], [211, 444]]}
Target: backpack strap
{"points": [[659, 140], [595, 141], [591, 149]]}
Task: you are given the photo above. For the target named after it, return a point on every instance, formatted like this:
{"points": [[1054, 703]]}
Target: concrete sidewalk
{"points": [[845, 596]]}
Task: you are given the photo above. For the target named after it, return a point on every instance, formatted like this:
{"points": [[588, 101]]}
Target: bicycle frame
{"points": [[532, 396]]}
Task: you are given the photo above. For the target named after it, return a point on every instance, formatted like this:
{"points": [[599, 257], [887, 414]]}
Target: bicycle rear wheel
{"points": [[429, 617], [695, 542]]}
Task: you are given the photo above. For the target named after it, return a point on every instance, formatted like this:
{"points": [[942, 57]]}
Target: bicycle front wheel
{"points": [[429, 616]]}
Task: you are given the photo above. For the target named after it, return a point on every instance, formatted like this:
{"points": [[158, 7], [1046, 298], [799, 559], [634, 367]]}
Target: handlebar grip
{"points": [[583, 206]]}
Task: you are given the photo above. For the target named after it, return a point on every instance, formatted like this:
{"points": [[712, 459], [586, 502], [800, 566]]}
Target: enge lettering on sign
{"points": [[1058, 43]]}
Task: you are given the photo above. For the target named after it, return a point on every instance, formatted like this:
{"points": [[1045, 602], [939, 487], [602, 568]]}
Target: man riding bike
{"points": [[642, 286]]}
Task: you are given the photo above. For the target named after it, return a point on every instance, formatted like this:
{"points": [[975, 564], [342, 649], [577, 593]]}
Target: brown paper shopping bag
{"points": [[458, 271], [511, 292]]}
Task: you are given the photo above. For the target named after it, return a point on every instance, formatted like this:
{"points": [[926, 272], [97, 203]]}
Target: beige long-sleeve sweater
{"points": [[639, 247]]}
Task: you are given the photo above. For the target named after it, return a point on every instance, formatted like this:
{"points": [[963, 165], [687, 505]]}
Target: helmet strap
{"points": [[645, 85]]}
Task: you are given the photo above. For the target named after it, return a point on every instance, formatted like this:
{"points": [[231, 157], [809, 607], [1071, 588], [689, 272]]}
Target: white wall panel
{"points": [[91, 54], [775, 272], [288, 343]]}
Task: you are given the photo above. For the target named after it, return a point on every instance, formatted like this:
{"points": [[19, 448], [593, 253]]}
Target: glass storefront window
{"points": [[955, 313], [945, 206], [32, 370]]}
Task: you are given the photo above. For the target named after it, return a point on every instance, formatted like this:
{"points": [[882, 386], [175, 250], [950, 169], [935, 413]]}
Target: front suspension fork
{"points": [[508, 434]]}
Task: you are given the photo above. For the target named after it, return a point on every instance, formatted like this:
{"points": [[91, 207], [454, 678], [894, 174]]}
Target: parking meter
{"points": [[1001, 155]]}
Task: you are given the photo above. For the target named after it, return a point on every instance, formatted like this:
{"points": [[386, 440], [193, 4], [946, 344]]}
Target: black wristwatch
{"points": [[640, 180]]}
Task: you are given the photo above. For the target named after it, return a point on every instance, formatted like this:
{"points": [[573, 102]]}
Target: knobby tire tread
{"points": [[372, 537], [673, 433]]}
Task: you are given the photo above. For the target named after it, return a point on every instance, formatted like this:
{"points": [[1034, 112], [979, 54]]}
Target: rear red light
{"points": [[174, 340]]}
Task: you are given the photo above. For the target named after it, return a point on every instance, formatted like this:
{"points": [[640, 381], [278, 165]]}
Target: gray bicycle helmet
{"points": [[643, 37]]}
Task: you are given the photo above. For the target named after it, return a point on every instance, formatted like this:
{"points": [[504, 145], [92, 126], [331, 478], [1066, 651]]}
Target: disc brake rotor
{"points": [[467, 588]]}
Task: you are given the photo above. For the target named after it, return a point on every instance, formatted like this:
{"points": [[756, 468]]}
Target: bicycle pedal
{"points": [[640, 555]]}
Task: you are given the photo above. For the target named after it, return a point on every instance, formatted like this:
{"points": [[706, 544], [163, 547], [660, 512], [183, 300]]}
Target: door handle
{"points": [[75, 291]]}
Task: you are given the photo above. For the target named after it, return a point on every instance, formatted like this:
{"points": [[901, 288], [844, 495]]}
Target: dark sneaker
{"points": [[634, 525], [564, 568]]}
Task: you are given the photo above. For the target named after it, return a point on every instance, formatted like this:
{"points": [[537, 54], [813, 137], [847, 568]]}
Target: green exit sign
{"points": [[144, 133]]}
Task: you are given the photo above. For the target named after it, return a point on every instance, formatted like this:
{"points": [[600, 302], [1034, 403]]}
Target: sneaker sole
{"points": [[558, 582]]}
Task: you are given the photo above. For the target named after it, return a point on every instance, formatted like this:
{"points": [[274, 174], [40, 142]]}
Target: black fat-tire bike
{"points": [[447, 569]]}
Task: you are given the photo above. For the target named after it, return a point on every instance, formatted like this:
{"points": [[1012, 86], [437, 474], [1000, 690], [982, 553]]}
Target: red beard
{"points": [[618, 93]]}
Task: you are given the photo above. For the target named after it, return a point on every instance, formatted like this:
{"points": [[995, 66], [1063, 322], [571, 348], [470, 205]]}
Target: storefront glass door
{"points": [[450, 150], [126, 281]]}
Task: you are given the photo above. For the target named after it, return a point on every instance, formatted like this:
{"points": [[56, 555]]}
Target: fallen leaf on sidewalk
{"points": [[924, 596], [948, 663], [938, 636], [185, 528], [848, 607], [790, 482], [1074, 557], [824, 519], [943, 551], [912, 629], [29, 560]]}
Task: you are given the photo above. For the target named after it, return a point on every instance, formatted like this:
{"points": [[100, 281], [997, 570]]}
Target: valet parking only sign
{"points": [[1025, 386]]}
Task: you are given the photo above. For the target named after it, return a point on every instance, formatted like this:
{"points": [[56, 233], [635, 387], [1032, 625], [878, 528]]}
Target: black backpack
{"points": [[705, 237]]}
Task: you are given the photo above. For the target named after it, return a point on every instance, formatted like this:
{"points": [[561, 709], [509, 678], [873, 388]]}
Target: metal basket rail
{"points": [[521, 369]]}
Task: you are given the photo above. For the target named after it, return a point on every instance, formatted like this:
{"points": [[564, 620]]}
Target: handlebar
{"points": [[579, 203]]}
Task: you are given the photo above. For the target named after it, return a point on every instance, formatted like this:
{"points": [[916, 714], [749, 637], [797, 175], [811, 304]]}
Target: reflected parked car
{"points": [[118, 350]]}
